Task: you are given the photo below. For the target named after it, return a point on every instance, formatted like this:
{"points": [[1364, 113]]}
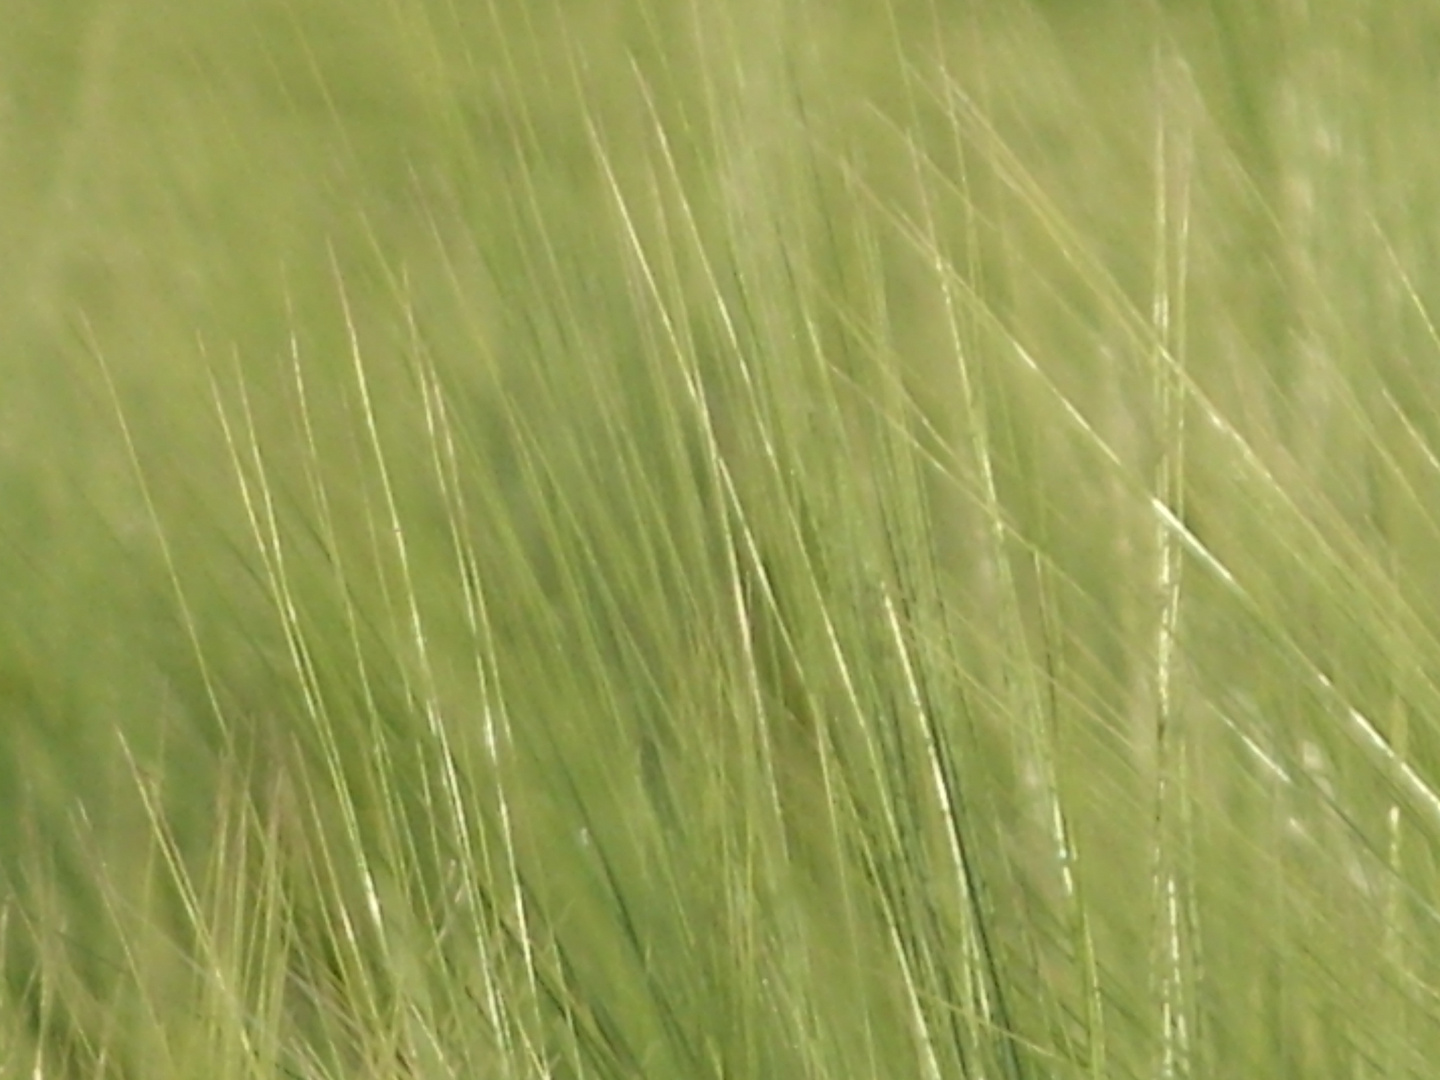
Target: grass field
{"points": [[756, 539]]}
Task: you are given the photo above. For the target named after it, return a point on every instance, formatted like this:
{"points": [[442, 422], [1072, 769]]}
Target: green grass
{"points": [[733, 540]]}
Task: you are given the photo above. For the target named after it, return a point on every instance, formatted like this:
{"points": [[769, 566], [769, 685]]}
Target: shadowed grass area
{"points": [[739, 540]]}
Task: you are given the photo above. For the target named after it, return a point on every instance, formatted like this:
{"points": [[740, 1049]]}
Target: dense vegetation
{"points": [[752, 539]]}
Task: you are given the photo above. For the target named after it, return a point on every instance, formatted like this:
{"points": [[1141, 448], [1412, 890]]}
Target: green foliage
{"points": [[755, 539]]}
